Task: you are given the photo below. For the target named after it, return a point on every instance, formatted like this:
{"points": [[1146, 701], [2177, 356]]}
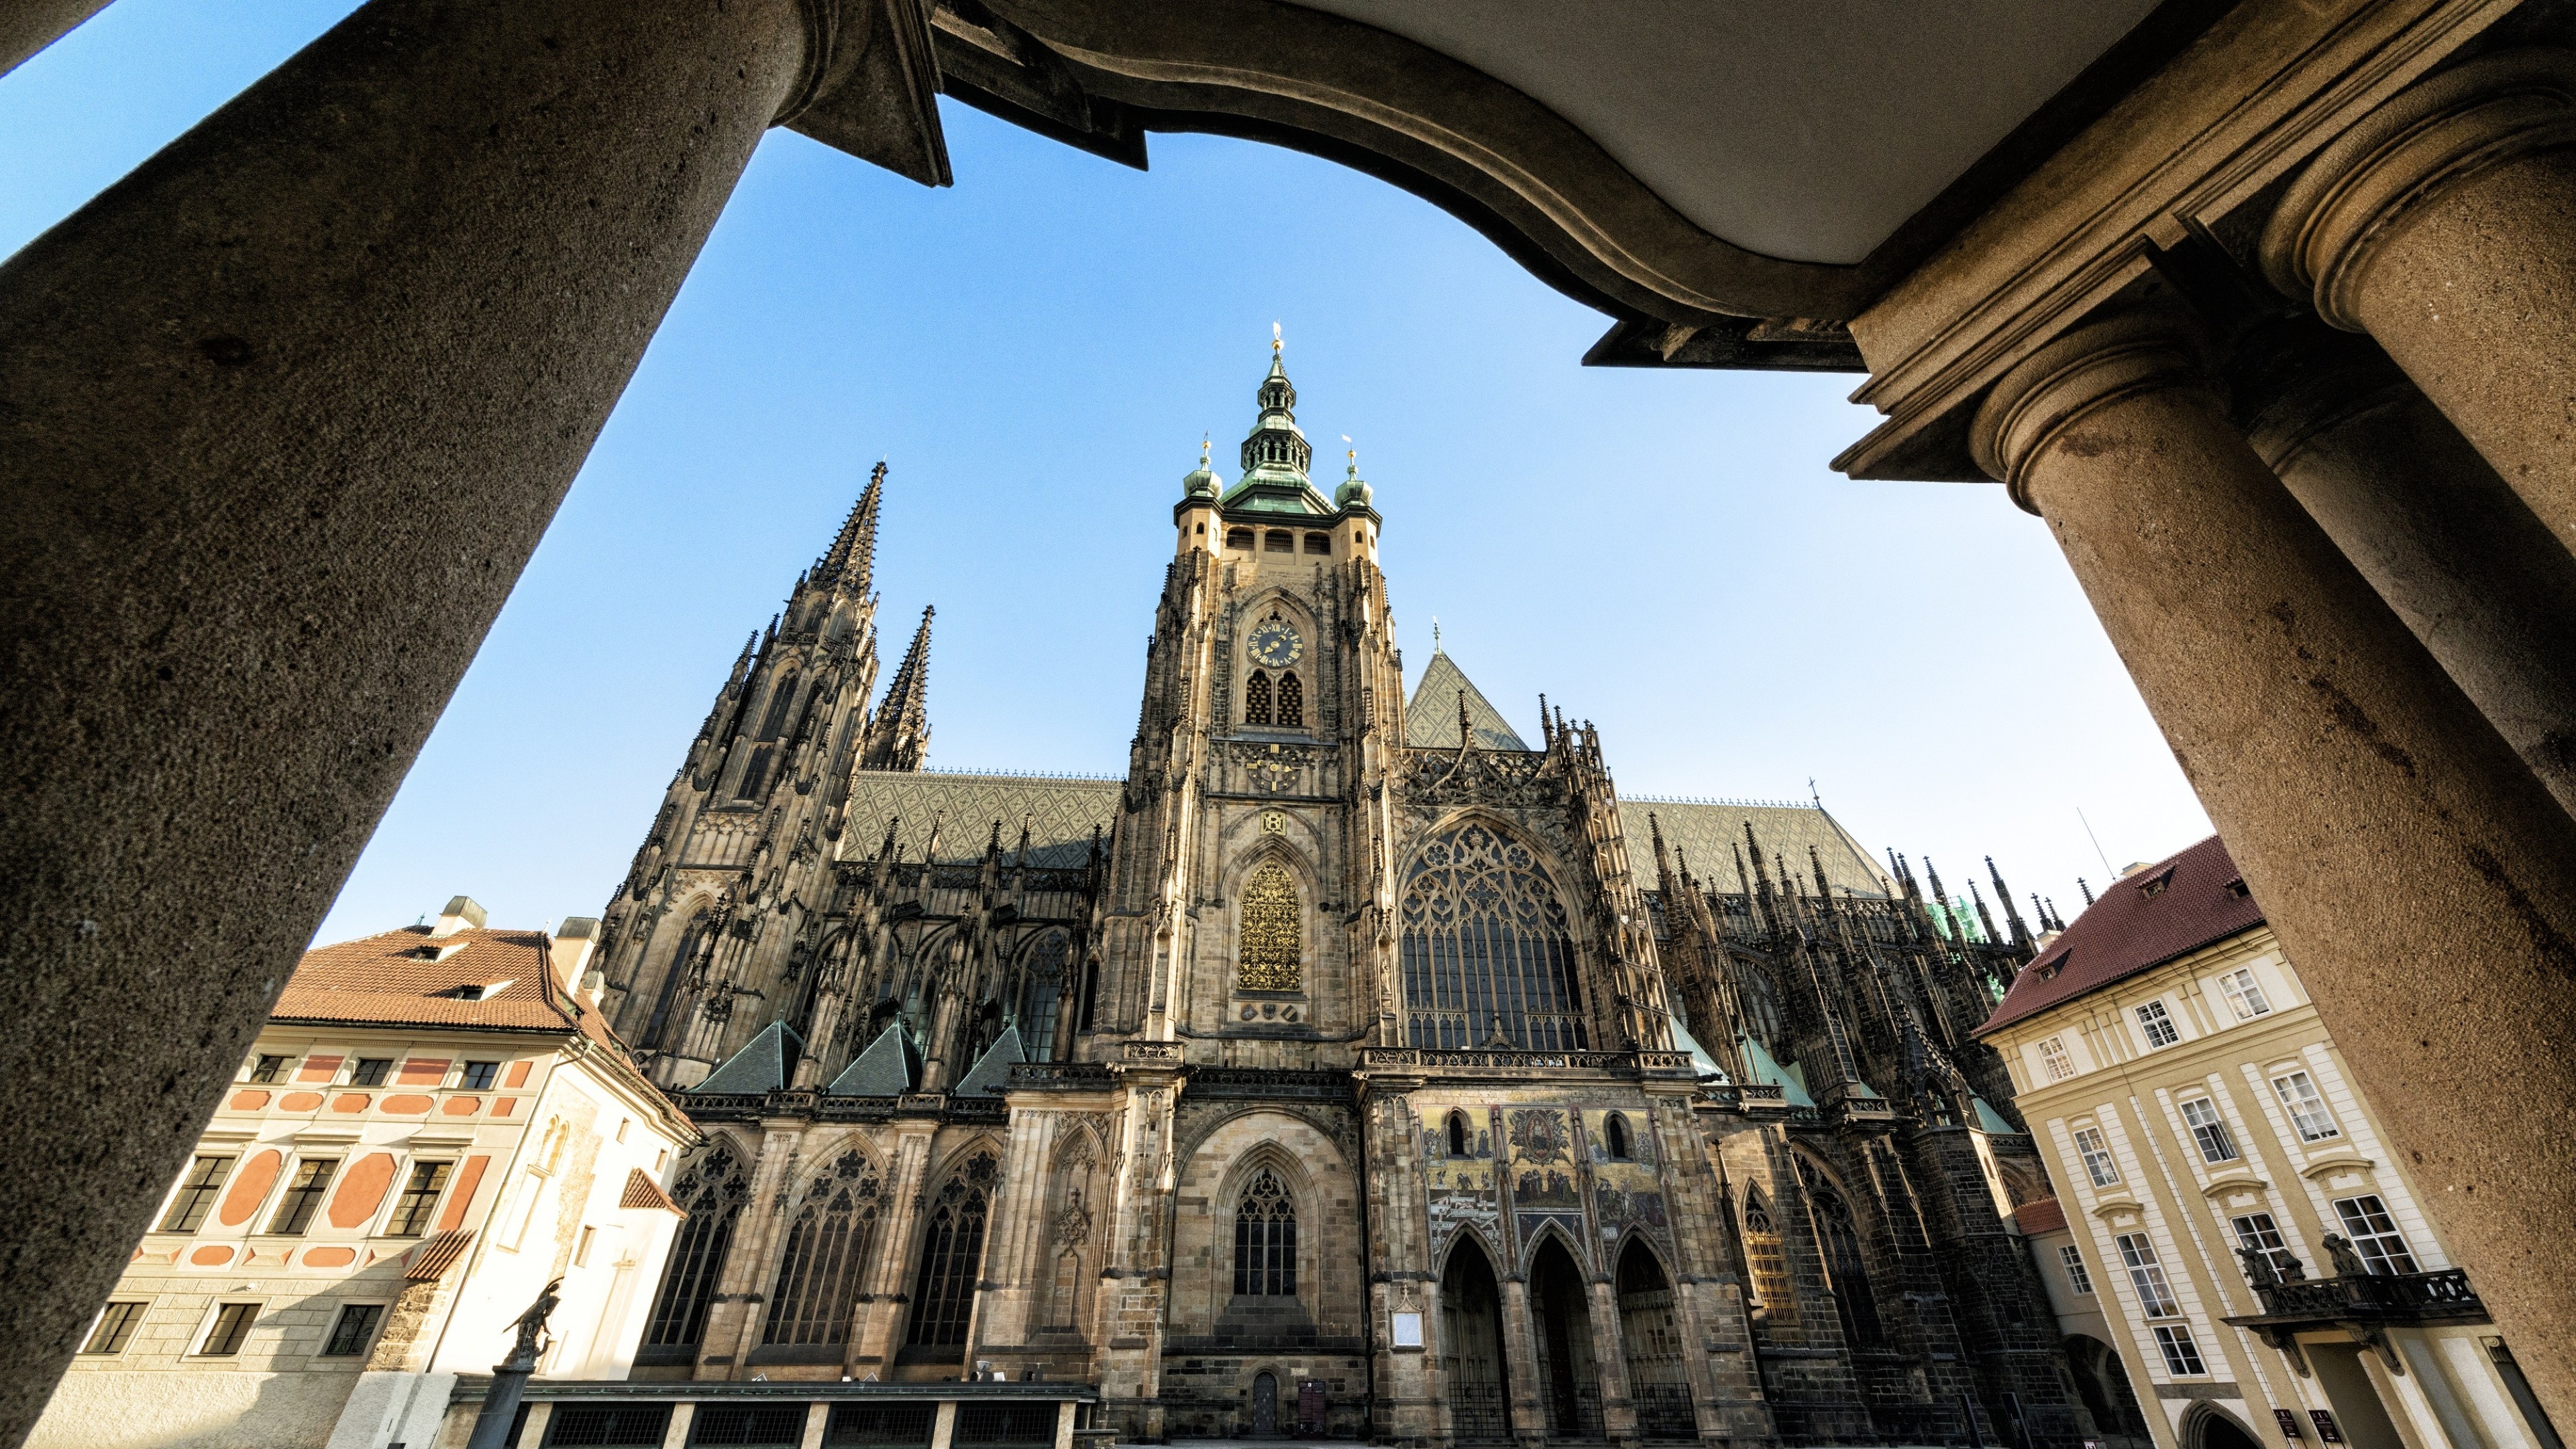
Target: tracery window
{"points": [[1487, 948], [952, 1252], [1292, 702], [1043, 997], [1271, 951], [828, 1249], [1770, 1265], [712, 1189], [1256, 698], [781, 700], [1265, 1240], [1846, 1269]]}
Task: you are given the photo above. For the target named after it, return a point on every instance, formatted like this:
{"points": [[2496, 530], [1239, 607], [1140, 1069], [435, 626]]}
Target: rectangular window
{"points": [[268, 1069], [355, 1329], [2244, 994], [2155, 1295], [479, 1076], [196, 1194], [2073, 1258], [115, 1326], [370, 1071], [2097, 1157], [2209, 1131], [2374, 1235], [532, 1188], [419, 1199], [232, 1324], [303, 1196], [2307, 1110], [2158, 1026], [2182, 1356], [2052, 1054], [2257, 1233]]}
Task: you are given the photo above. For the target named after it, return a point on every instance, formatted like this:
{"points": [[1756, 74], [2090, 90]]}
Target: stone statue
{"points": [[2258, 1267], [2347, 1263]]}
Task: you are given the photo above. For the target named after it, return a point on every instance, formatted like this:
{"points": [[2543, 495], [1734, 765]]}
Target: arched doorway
{"points": [[1652, 1339], [1471, 1347], [1569, 1384], [1265, 1405], [2103, 1385], [2208, 1428]]}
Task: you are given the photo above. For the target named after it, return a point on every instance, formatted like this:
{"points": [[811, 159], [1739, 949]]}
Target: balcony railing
{"points": [[2394, 1298]]}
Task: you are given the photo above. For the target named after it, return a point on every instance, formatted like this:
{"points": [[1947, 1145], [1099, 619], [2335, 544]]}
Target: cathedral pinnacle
{"points": [[853, 554], [898, 734]]}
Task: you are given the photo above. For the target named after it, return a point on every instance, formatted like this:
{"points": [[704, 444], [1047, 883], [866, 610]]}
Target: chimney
{"points": [[460, 914], [570, 951]]}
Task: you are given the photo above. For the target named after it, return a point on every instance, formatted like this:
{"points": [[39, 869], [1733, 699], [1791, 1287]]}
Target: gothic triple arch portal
{"points": [[1574, 1337]]}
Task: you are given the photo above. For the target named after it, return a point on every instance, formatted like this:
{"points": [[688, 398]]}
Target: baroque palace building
{"points": [[1351, 1066]]}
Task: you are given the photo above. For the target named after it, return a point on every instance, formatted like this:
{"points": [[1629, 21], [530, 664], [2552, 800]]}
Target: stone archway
{"points": [[1569, 1382], [2214, 1430], [1650, 1335], [2103, 1384], [1472, 1362]]}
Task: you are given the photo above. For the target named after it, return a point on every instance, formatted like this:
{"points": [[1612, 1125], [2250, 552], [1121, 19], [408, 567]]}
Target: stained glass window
{"points": [[830, 1245], [1271, 953], [1265, 1240], [943, 1296], [1487, 949], [713, 1189]]}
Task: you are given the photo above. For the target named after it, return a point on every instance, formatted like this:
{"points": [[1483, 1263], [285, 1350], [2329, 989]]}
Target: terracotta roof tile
{"points": [[644, 1192], [2148, 917], [384, 980], [431, 1260], [2046, 1215]]}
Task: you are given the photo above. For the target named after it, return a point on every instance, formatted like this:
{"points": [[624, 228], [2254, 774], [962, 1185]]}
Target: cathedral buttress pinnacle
{"points": [[898, 734]]}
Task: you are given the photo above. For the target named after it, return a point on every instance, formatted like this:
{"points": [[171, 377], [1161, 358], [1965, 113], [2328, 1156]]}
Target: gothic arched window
{"points": [[1292, 702], [782, 698], [1487, 949], [683, 961], [1770, 1265], [1256, 698], [1614, 1136], [1271, 947], [1042, 995], [952, 1252], [1846, 1269], [1458, 1137], [829, 1248], [712, 1189], [1265, 1240]]}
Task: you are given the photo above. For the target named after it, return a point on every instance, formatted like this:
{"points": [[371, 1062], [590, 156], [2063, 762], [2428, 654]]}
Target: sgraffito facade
{"points": [[1336, 1071]]}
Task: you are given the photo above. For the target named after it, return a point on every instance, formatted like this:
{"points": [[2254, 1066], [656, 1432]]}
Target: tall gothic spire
{"points": [[898, 734], [853, 553], [1277, 450]]}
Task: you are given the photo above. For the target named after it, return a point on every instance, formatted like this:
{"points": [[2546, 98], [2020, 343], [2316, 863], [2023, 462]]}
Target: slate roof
{"points": [[1060, 810], [993, 1068], [1710, 832], [383, 980], [2152, 915], [766, 1063], [1431, 716], [888, 1068]]}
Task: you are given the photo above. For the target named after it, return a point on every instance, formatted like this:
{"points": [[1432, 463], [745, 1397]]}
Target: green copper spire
{"points": [[1276, 454], [1201, 481], [1354, 492]]}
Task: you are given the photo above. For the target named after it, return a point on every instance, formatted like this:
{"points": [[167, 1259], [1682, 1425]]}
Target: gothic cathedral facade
{"points": [[1337, 1071]]}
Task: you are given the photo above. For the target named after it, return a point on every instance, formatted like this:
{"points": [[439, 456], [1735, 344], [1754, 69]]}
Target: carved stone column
{"points": [[288, 409], [1520, 1356], [2412, 865], [2444, 225], [2451, 548]]}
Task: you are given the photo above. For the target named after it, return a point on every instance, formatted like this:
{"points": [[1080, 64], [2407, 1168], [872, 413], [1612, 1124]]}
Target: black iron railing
{"points": [[2400, 1297]]}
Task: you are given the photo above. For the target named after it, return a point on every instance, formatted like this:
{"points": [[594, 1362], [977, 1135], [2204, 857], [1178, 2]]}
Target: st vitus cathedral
{"points": [[1338, 1071]]}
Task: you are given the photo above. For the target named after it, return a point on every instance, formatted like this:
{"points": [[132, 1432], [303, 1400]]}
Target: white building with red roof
{"points": [[435, 1123], [2237, 1252]]}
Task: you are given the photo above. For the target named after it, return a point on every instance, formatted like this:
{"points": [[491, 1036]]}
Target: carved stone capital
{"points": [[2321, 238], [2054, 389]]}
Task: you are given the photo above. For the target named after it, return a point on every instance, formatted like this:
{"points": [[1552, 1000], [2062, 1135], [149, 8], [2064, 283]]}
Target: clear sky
{"points": [[1037, 352]]}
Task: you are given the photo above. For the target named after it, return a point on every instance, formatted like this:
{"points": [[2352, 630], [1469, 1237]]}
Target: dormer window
{"points": [[2156, 887], [473, 992], [438, 950]]}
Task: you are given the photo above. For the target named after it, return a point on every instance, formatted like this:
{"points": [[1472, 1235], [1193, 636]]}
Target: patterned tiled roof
{"points": [[1710, 834], [1431, 716], [2152, 915], [1060, 811]]}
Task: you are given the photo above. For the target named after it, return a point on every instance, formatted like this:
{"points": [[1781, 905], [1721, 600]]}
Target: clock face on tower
{"points": [[1275, 645]]}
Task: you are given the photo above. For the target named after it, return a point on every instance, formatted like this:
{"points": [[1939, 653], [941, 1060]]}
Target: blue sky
{"points": [[1037, 352]]}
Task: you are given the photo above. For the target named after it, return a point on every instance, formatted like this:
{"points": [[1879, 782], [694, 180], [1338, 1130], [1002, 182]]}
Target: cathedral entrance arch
{"points": [[2208, 1428], [1569, 1381], [1651, 1337], [1471, 1346]]}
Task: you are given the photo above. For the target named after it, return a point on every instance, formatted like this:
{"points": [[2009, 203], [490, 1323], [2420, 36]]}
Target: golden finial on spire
{"points": [[1274, 339], [1352, 452]]}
